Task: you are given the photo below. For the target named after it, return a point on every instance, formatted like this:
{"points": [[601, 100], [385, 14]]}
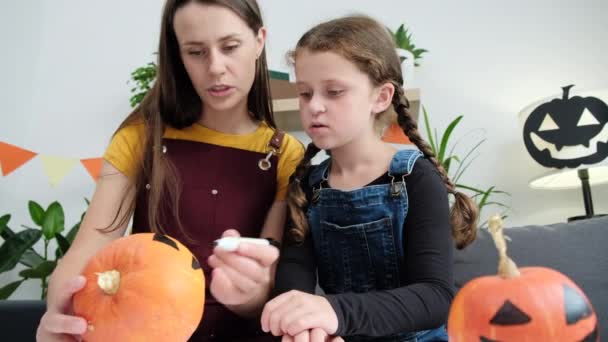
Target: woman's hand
{"points": [[57, 325], [294, 312], [242, 277]]}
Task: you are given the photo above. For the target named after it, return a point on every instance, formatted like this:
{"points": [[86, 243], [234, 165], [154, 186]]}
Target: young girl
{"points": [[201, 155], [374, 222]]}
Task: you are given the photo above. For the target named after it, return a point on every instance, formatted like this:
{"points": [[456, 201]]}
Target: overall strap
{"points": [[403, 162], [277, 140], [274, 149], [319, 173]]}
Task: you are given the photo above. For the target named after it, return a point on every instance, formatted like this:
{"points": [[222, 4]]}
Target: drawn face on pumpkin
{"points": [[539, 305], [568, 132], [576, 309]]}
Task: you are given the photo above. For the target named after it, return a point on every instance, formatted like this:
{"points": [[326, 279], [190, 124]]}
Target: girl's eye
{"points": [[304, 95], [335, 92]]}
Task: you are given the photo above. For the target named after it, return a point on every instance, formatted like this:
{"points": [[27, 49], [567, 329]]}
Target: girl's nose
{"points": [[317, 106]]}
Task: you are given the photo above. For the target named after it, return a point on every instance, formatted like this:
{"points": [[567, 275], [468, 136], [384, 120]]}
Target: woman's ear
{"points": [[383, 97], [260, 41]]}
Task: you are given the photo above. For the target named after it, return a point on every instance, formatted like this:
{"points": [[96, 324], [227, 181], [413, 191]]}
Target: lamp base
{"points": [[583, 217]]}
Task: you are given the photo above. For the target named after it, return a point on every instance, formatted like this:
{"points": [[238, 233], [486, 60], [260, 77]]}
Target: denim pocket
{"points": [[358, 258]]}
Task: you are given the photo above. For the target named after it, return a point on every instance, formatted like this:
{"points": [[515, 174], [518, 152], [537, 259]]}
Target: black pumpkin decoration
{"points": [[568, 132]]}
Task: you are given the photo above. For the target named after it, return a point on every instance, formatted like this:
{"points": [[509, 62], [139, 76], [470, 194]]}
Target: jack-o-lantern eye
{"points": [[509, 314], [195, 264], [485, 339], [163, 239], [575, 305], [548, 124], [587, 119]]}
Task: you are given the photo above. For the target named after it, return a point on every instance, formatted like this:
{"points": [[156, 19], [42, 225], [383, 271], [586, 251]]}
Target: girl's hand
{"points": [[313, 335], [242, 276], [294, 312], [57, 325]]}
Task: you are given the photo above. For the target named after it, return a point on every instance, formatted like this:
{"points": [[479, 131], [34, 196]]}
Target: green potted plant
{"points": [[409, 54], [143, 77], [18, 247], [455, 164]]}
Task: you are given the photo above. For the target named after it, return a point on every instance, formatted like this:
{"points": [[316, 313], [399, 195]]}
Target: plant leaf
{"points": [[53, 221], [463, 167], [13, 248], [428, 130], [498, 204], [36, 212], [401, 37], [8, 290], [41, 271], [72, 233], [62, 245], [30, 258], [447, 163], [3, 223], [470, 188], [483, 200], [446, 136]]}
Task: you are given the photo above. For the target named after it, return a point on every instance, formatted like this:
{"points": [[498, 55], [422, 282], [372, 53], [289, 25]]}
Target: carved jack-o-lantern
{"points": [[568, 132], [526, 304]]}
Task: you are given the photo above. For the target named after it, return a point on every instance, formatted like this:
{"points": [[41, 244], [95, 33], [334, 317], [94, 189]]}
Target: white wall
{"points": [[64, 66]]}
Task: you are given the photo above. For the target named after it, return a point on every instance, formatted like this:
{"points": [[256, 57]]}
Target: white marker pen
{"points": [[231, 243]]}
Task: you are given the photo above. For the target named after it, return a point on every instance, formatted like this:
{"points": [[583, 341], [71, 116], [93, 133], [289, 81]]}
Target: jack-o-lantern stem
{"points": [[108, 281], [566, 91], [506, 267]]}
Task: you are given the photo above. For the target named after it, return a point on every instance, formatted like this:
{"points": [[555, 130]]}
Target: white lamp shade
{"points": [[567, 132], [568, 178]]}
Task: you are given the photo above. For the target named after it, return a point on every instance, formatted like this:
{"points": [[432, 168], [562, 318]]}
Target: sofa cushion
{"points": [[19, 319], [578, 249]]}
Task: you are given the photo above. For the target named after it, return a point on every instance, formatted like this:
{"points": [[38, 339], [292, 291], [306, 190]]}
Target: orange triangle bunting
{"points": [[93, 166], [13, 157], [394, 134]]}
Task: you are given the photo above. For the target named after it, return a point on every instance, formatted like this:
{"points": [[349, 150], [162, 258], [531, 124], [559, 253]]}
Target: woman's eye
{"points": [[304, 95], [230, 48], [335, 92], [196, 52]]}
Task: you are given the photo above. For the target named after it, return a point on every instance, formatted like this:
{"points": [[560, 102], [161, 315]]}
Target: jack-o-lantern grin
{"points": [[597, 143]]}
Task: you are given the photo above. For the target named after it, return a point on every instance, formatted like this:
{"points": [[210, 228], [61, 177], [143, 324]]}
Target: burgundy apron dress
{"points": [[222, 188]]}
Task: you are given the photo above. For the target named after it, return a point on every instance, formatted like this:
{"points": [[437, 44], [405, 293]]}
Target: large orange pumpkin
{"points": [[527, 304], [143, 287]]}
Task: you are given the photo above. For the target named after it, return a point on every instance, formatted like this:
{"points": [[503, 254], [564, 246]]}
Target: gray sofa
{"points": [[578, 249]]}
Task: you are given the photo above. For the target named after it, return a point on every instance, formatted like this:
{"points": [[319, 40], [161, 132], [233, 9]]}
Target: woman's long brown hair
{"points": [[173, 101], [368, 45]]}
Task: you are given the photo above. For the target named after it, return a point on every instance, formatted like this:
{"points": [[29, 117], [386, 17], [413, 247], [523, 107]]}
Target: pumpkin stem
{"points": [[566, 91], [506, 267], [108, 281]]}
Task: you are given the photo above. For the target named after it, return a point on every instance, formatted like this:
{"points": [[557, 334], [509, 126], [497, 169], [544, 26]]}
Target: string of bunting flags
{"points": [[56, 168]]}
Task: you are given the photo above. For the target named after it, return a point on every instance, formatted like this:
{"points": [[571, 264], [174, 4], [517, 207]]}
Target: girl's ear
{"points": [[383, 97], [260, 41]]}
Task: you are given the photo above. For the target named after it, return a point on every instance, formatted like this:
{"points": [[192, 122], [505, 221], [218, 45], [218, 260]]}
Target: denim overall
{"points": [[358, 237]]}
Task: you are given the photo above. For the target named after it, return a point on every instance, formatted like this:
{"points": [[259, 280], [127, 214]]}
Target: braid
{"points": [[410, 128], [296, 199], [464, 212]]}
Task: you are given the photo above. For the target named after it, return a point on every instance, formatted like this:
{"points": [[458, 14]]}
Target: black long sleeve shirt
{"points": [[424, 300]]}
